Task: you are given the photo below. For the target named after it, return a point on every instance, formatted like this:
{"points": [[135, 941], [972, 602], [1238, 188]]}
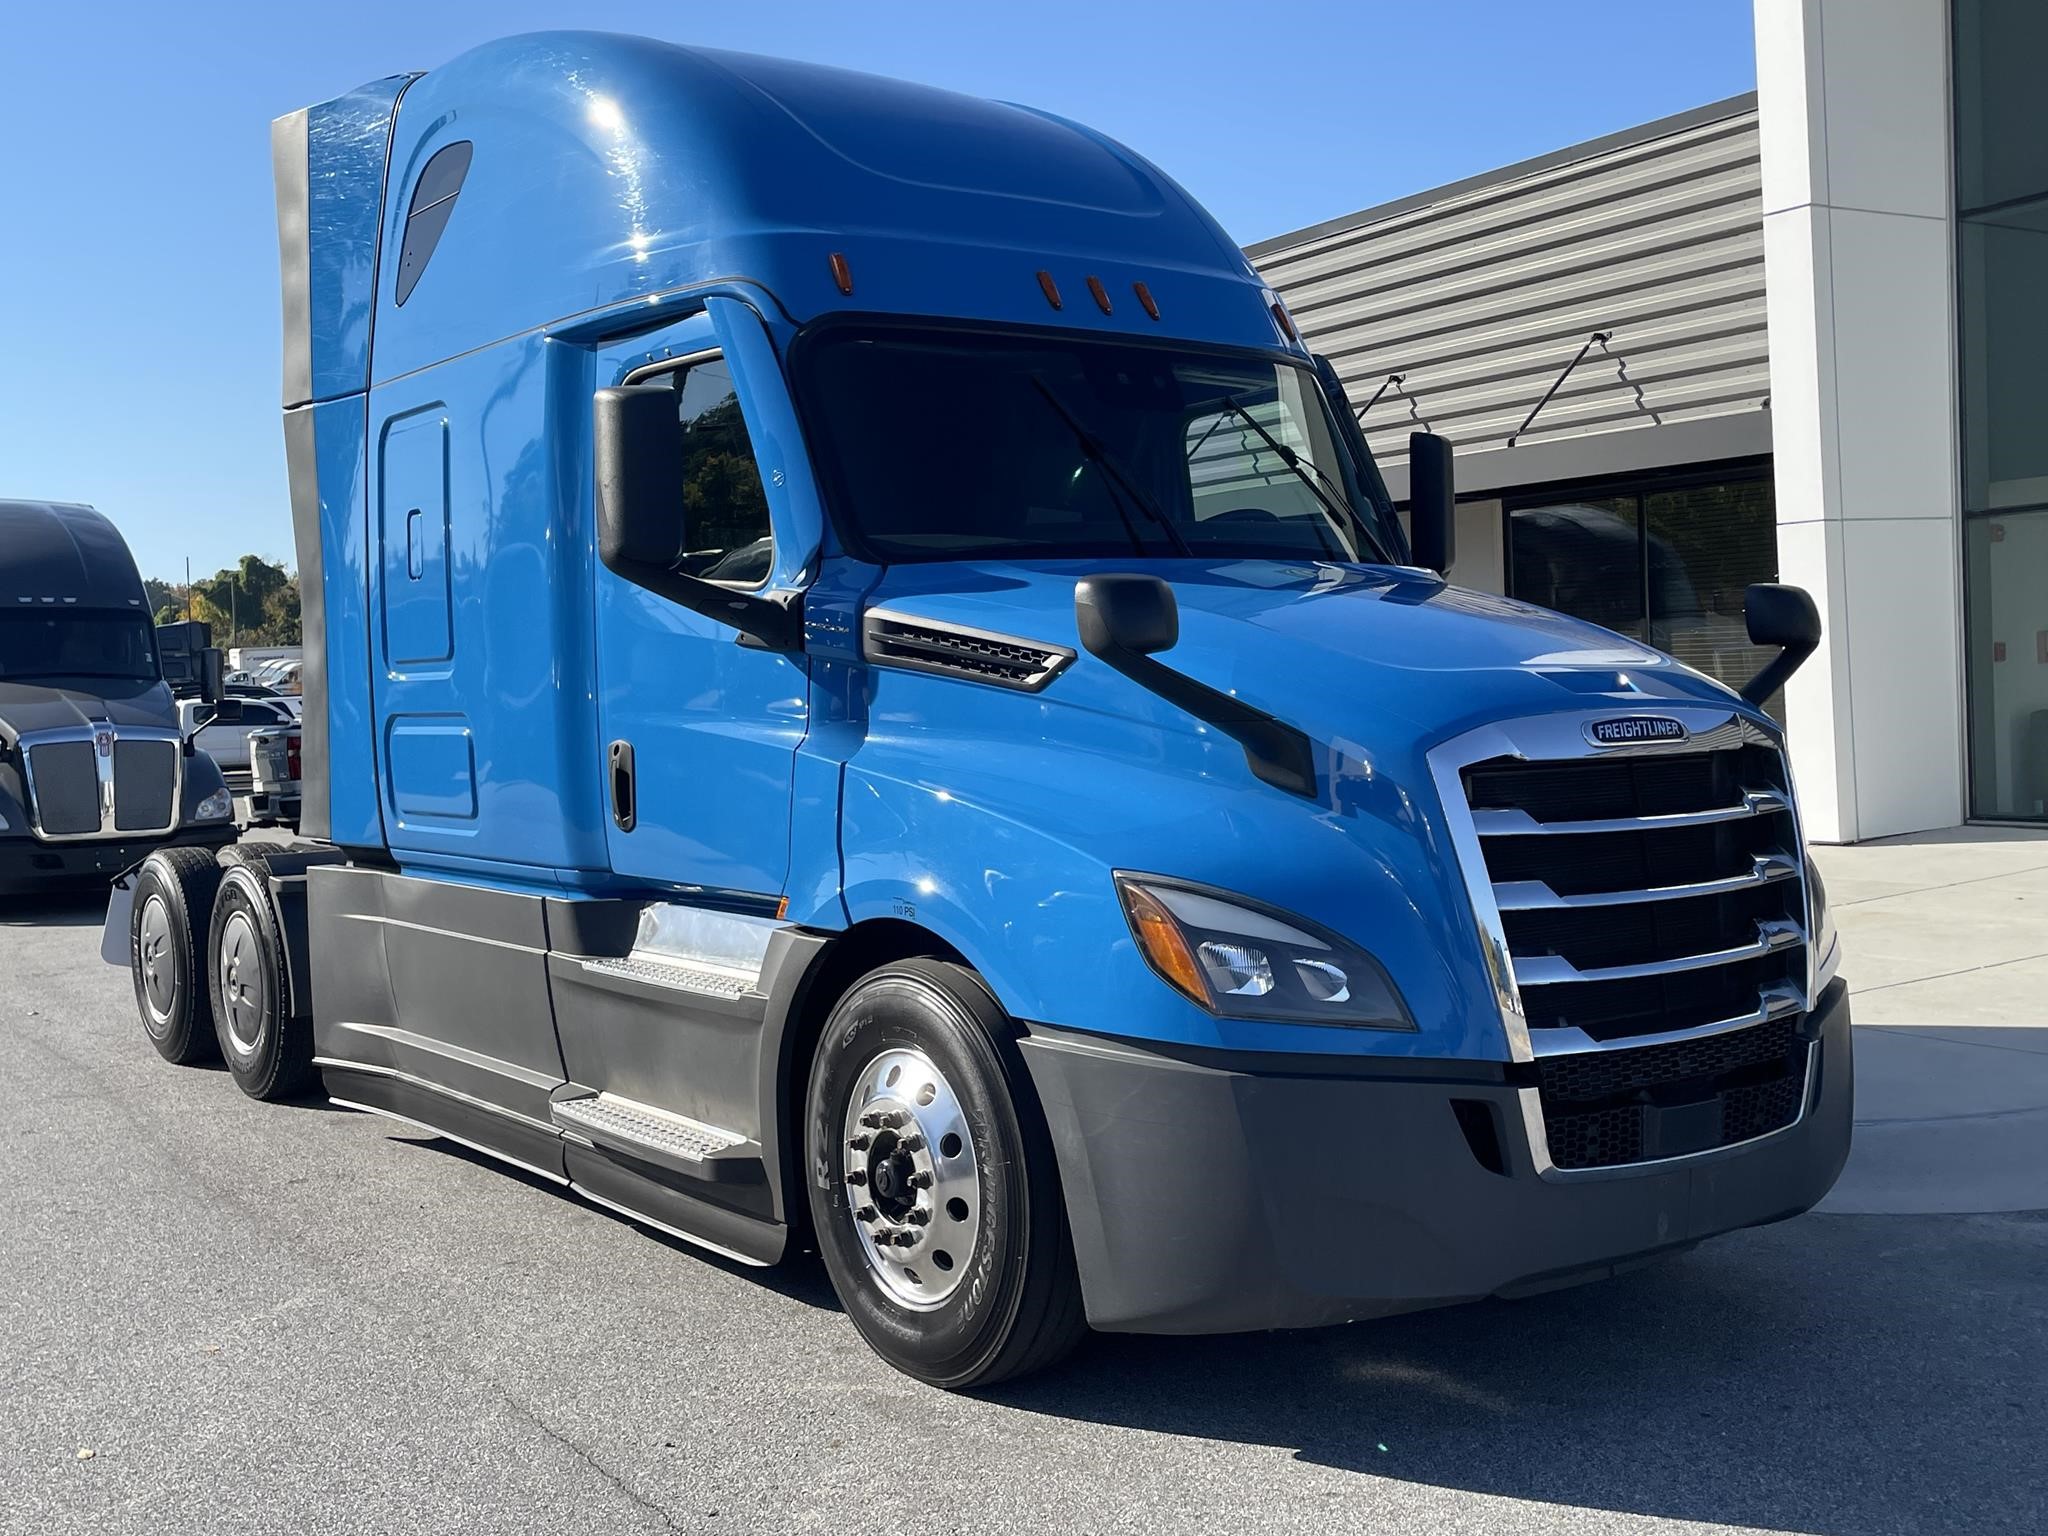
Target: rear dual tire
{"points": [[206, 951], [918, 1093]]}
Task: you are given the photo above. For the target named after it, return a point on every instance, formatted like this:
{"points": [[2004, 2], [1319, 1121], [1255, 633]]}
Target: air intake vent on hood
{"points": [[979, 655]]}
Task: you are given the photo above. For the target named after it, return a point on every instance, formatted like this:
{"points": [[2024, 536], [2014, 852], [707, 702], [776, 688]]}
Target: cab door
{"points": [[699, 731]]}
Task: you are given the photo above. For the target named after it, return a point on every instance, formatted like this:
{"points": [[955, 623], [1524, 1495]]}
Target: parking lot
{"points": [[218, 1315]]}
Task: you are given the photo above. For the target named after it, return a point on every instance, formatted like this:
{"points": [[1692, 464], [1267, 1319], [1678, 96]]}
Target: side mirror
{"points": [[1124, 619], [213, 667], [1785, 617], [1138, 614], [1432, 502], [638, 447]]}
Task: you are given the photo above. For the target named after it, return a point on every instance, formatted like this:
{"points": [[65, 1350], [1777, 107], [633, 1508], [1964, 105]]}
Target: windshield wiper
{"points": [[1094, 448], [1339, 509]]}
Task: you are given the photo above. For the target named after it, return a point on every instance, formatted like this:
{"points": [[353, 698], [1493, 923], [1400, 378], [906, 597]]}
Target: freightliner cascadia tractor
{"points": [[864, 692], [94, 772]]}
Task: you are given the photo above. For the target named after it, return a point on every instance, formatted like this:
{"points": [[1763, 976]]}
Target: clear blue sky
{"points": [[138, 255]]}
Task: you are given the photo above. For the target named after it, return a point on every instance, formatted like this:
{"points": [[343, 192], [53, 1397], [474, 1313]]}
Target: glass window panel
{"points": [[2001, 57], [1707, 544], [2005, 358], [1582, 558], [2008, 665]]}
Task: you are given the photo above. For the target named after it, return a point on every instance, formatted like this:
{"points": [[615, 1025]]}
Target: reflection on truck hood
{"points": [[1340, 651], [45, 706]]}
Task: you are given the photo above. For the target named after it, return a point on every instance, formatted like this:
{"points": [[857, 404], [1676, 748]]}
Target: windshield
{"points": [[953, 447], [75, 642]]}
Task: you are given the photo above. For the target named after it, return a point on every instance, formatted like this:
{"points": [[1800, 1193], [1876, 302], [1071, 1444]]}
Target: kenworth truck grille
{"points": [[101, 781], [1651, 904]]}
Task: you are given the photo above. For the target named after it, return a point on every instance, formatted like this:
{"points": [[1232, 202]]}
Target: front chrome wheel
{"points": [[914, 1187]]}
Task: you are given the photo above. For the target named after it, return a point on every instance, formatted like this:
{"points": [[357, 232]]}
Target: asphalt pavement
{"points": [[217, 1315]]}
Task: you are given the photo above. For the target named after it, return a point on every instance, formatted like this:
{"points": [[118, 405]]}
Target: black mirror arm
{"points": [[1774, 673], [1276, 752], [772, 623], [1783, 616]]}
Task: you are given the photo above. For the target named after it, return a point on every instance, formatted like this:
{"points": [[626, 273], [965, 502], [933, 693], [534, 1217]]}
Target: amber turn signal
{"points": [[1160, 941]]}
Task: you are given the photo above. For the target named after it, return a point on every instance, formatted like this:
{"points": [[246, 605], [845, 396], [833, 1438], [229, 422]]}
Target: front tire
{"points": [[933, 1189], [167, 927], [269, 1051]]}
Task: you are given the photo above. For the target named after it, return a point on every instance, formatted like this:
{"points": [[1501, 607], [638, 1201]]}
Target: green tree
{"points": [[253, 603]]}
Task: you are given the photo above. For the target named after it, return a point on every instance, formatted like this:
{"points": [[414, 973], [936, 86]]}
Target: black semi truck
{"points": [[94, 773]]}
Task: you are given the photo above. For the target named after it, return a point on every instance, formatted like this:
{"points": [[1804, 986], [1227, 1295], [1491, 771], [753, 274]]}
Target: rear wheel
{"points": [[269, 1051], [169, 920], [932, 1184]]}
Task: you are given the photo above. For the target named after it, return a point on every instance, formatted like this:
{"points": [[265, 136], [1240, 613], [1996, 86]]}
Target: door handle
{"points": [[621, 759]]}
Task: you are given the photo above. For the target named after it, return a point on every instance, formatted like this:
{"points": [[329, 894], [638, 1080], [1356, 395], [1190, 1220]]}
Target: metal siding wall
{"points": [[1481, 298]]}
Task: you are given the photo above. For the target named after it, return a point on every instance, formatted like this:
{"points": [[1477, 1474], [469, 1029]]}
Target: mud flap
{"points": [[114, 937]]}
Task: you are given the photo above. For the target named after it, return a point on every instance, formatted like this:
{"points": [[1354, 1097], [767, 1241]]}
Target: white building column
{"points": [[1859, 247]]}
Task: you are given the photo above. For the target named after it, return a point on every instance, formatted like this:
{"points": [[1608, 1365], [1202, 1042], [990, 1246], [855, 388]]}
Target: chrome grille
{"points": [[1643, 911], [101, 780], [1641, 894]]}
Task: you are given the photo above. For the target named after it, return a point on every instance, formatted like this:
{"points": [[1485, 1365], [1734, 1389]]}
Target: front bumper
{"points": [[28, 865], [1208, 1200]]}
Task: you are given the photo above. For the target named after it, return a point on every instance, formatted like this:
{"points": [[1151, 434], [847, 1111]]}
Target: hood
{"points": [[1365, 654], [44, 706]]}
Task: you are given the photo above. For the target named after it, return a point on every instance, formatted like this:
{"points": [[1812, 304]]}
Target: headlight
{"points": [[1246, 960], [1820, 926], [218, 806]]}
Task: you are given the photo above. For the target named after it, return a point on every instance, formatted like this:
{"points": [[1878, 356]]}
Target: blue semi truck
{"points": [[864, 692]]}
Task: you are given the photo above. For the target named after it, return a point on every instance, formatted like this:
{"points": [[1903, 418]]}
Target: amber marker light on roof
{"points": [[842, 274], [1145, 298], [1049, 288], [1101, 294]]}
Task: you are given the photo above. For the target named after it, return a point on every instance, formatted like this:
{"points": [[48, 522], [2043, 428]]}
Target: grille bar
{"points": [[1514, 822], [1536, 895], [1773, 1002], [1555, 970]]}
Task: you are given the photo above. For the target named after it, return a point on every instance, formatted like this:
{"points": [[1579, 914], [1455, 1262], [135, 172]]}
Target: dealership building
{"points": [[1795, 335]]}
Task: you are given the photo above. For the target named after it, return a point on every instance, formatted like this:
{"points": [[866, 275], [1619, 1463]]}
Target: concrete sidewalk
{"points": [[1945, 944]]}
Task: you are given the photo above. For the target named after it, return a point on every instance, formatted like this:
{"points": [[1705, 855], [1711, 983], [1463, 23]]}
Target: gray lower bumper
{"points": [[28, 865], [1205, 1200]]}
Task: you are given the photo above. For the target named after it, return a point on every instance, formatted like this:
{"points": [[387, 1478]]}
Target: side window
{"points": [[433, 200], [725, 511]]}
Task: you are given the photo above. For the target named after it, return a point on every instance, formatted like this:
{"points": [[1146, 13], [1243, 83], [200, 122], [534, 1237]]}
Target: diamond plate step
{"points": [[684, 977], [610, 1121]]}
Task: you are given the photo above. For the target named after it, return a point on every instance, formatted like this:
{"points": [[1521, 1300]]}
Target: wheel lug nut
{"points": [[860, 1143], [920, 1216], [874, 1120], [920, 1180], [912, 1143], [857, 1177], [866, 1213]]}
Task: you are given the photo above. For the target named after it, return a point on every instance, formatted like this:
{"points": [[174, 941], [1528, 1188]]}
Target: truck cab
{"points": [[864, 692], [94, 772]]}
